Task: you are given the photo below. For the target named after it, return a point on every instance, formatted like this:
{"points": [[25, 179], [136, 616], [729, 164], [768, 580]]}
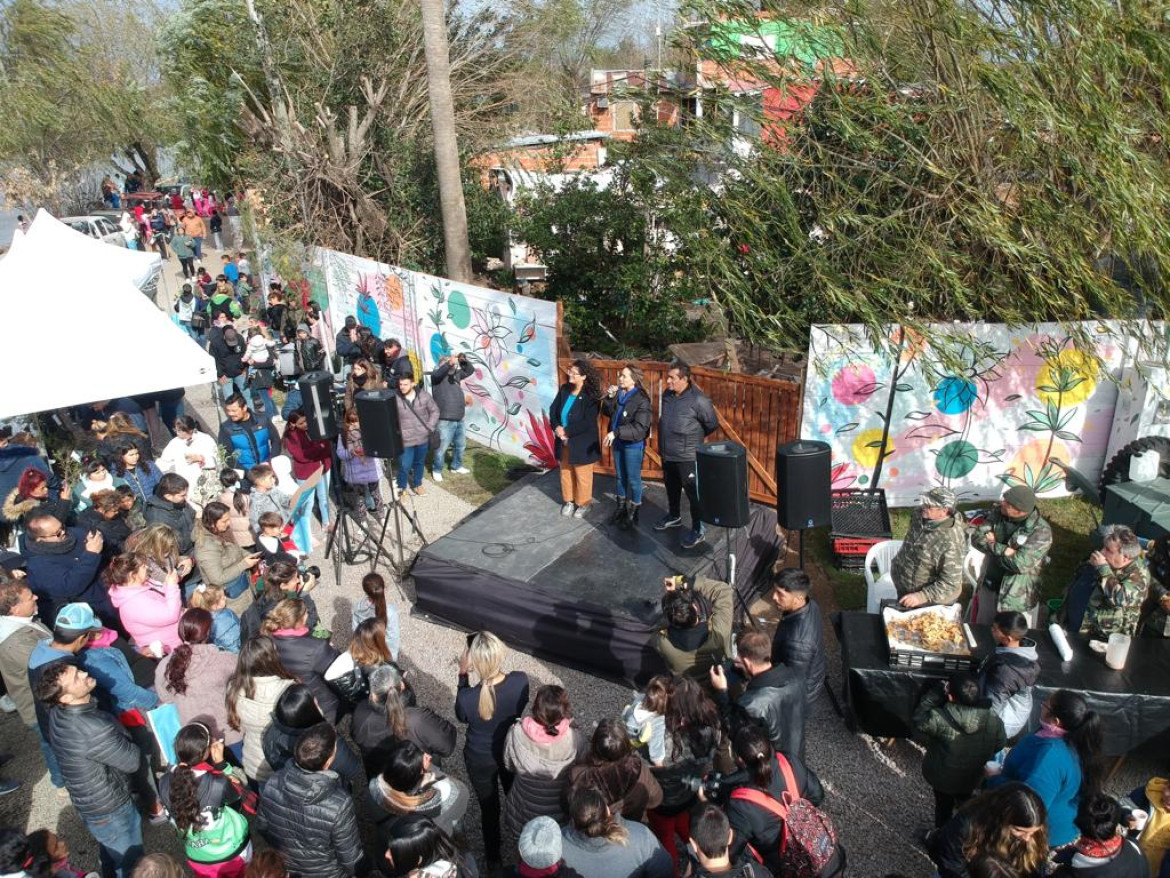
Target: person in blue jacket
{"points": [[1061, 762], [16, 457], [63, 567], [249, 438], [139, 472]]}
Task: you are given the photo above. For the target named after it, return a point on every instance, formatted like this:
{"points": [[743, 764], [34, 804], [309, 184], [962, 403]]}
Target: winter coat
{"points": [[95, 755], [309, 658], [1116, 603], [690, 757], [143, 479], [485, 737], [635, 424], [64, 573], [1015, 577], [959, 740], [347, 349], [214, 839], [358, 469], [228, 356], [447, 389], [220, 560], [14, 460], [18, 637], [445, 804], [540, 763], [775, 701], [180, 517], [255, 715], [691, 652], [580, 426], [274, 500], [240, 529], [117, 691], [308, 356], [1051, 768], [427, 730], [174, 458], [150, 612], [250, 441], [307, 455], [207, 680], [930, 561], [799, 644], [1006, 678], [640, 857], [629, 786], [83, 489], [15, 509], [1128, 862], [309, 817], [417, 419], [684, 421], [759, 827]]}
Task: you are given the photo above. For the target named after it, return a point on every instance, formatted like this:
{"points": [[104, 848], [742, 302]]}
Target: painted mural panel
{"points": [[509, 339], [991, 405]]}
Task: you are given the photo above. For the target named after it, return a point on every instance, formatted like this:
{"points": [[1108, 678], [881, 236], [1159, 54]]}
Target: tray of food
{"points": [[934, 635]]}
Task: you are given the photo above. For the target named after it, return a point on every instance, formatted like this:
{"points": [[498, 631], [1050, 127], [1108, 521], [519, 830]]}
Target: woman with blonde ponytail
{"points": [[598, 841], [489, 708]]}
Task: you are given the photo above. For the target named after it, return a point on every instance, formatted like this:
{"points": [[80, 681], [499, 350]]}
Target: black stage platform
{"points": [[576, 590]]}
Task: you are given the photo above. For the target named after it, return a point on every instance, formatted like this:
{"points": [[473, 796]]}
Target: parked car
{"points": [[100, 227]]}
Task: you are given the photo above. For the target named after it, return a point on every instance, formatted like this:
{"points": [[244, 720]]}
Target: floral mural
{"points": [[510, 340], [988, 405]]}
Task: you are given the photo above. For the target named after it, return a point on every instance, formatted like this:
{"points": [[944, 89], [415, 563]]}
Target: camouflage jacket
{"points": [[931, 559], [1017, 576], [1116, 602], [1158, 621]]}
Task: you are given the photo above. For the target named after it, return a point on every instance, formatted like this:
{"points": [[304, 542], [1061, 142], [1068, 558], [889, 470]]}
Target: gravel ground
{"points": [[875, 791]]}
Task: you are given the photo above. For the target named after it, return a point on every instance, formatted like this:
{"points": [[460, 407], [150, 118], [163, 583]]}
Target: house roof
{"points": [[547, 139]]}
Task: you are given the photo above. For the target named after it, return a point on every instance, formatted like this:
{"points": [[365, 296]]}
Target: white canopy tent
{"points": [[75, 329], [51, 235]]}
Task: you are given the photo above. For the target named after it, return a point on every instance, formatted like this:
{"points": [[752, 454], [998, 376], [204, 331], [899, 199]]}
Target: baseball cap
{"points": [[78, 618], [939, 496]]}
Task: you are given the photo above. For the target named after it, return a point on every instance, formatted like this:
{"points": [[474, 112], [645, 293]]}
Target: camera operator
{"points": [[447, 390], [774, 697], [693, 642]]}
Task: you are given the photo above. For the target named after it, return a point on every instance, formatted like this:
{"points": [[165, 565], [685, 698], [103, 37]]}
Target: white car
{"points": [[99, 227]]}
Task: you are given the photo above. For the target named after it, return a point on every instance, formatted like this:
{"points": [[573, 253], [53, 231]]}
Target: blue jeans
{"points": [[627, 463], [120, 835], [321, 496], [292, 401], [51, 759], [198, 248], [237, 586], [450, 433], [239, 385], [411, 462], [262, 399]]}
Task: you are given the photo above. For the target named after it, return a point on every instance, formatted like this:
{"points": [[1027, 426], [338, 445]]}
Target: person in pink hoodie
{"points": [[149, 610]]}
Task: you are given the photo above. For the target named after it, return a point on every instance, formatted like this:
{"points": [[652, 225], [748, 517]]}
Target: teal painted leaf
{"points": [[532, 361], [1067, 436], [902, 388], [848, 428]]}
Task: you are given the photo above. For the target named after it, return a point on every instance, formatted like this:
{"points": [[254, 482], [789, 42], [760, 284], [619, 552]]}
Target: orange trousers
{"points": [[576, 480]]}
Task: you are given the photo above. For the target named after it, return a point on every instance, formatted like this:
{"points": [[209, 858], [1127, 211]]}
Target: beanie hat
{"points": [[350, 322], [303, 327], [1022, 497], [540, 843]]}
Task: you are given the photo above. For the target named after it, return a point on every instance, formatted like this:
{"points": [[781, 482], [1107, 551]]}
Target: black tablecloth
{"points": [[1134, 703]]}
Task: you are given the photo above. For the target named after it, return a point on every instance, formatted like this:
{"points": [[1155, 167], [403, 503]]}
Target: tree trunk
{"points": [[446, 144]]}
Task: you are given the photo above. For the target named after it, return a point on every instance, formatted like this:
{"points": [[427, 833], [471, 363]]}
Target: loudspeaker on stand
{"points": [[721, 474], [377, 412], [803, 484], [317, 401]]}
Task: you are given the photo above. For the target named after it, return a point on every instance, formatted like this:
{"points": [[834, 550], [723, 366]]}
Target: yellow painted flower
{"points": [[1068, 378], [868, 445]]}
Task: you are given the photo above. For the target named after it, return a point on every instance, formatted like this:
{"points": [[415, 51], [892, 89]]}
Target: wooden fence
{"points": [[758, 413]]}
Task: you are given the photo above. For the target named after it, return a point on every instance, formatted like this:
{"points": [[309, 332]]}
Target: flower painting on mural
{"points": [[974, 408]]}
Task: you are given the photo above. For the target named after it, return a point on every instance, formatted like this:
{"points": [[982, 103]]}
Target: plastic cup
{"points": [[156, 648], [1117, 650], [1139, 818]]}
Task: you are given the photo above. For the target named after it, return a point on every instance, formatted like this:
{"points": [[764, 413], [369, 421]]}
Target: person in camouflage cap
{"points": [[1122, 582], [928, 569], [1016, 540]]}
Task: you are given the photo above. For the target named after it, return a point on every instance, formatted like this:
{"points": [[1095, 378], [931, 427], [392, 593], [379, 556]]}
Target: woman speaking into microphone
{"points": [[628, 408]]}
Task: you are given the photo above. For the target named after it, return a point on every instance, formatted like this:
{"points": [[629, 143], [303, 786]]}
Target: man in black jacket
{"points": [[96, 757], [773, 699], [710, 844], [307, 811], [348, 345], [799, 642], [227, 346], [686, 419], [447, 391], [168, 505]]}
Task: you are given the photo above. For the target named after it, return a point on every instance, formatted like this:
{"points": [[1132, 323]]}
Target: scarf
{"points": [[63, 547], [1096, 852], [1048, 730], [291, 632], [527, 871], [623, 396]]}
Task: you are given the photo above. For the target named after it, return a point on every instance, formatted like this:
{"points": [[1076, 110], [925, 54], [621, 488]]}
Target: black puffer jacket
{"points": [[309, 658], [95, 754], [775, 701], [635, 423], [425, 728], [308, 816], [684, 421], [180, 517], [253, 617], [799, 644]]}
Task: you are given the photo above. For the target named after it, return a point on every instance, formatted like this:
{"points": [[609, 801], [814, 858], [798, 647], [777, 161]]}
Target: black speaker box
{"points": [[377, 412], [722, 479], [802, 484], [317, 401]]}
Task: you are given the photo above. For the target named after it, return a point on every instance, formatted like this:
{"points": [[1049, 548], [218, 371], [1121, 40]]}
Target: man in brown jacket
{"points": [[692, 640], [20, 632], [196, 229]]}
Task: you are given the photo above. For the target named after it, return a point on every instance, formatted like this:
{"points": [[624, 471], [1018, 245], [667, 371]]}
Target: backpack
{"points": [[810, 838]]}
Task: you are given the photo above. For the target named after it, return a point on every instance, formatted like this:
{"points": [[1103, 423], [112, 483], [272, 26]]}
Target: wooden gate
{"points": [[758, 413]]}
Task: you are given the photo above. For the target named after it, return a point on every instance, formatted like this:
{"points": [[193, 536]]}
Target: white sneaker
{"points": [[7, 704], [436, 475], [463, 471]]}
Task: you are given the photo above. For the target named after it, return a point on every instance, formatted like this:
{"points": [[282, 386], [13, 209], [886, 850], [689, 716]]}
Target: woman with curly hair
{"points": [[206, 802], [573, 416], [1008, 822], [195, 678]]}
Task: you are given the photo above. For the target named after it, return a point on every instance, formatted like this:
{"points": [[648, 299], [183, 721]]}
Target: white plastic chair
{"points": [[880, 587], [973, 566]]}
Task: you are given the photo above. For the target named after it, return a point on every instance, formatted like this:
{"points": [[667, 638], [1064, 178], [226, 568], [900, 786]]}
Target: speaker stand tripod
{"points": [[399, 512], [730, 571]]}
